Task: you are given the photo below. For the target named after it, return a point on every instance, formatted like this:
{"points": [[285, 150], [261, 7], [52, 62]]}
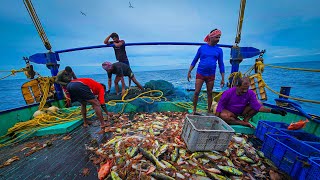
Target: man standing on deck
{"points": [[85, 90], [119, 50], [241, 101], [120, 70], [63, 78]]}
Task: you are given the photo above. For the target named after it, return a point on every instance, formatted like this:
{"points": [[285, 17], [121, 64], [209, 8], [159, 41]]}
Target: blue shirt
{"points": [[209, 55]]}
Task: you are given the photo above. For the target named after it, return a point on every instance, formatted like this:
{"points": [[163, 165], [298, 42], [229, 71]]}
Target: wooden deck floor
{"points": [[65, 159]]}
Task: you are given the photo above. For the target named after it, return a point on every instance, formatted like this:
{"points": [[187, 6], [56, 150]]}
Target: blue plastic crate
{"points": [[302, 135], [314, 144], [289, 154], [268, 127], [314, 170]]}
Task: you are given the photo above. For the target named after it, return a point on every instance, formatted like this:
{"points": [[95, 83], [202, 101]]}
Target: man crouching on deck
{"points": [[241, 101], [84, 90], [120, 70]]}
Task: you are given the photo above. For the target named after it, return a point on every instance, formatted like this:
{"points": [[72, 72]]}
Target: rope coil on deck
{"points": [[23, 130]]}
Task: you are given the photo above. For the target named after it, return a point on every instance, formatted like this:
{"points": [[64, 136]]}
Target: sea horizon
{"points": [[226, 65]]}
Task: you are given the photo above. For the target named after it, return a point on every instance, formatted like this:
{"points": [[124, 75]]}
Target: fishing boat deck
{"points": [[64, 159]]}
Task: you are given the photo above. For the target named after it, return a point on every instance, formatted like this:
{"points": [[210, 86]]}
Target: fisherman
{"points": [[119, 50], [85, 90], [241, 101], [209, 54], [120, 70], [63, 78]]}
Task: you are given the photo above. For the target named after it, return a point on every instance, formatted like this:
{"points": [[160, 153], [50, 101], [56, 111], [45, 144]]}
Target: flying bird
{"points": [[83, 13], [130, 6]]}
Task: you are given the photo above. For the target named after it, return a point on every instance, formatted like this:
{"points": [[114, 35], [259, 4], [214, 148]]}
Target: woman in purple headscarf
{"points": [[209, 54]]}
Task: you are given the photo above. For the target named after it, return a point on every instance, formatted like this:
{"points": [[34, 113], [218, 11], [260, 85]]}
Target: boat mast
{"points": [[240, 20], [236, 57], [50, 57]]}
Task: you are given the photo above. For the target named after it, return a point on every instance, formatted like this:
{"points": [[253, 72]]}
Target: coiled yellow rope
{"points": [[142, 96], [45, 84], [290, 97], [234, 76], [23, 130]]}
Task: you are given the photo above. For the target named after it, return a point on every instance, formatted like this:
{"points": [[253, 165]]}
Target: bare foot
{"points": [[104, 125], [85, 125], [101, 131]]}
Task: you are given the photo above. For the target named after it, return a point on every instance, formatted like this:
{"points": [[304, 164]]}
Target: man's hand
{"points": [[279, 111], [189, 76], [222, 83], [103, 106]]}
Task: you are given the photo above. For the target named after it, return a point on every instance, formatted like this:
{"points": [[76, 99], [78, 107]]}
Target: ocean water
{"points": [[304, 85]]}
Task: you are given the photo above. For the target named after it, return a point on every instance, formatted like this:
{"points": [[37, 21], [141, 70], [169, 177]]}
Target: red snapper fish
{"points": [[104, 170], [298, 125]]}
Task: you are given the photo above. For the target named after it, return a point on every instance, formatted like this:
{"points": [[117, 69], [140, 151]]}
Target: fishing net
{"points": [[166, 87]]}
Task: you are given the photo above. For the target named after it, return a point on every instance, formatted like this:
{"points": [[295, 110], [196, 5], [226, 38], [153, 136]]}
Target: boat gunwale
{"points": [[265, 104], [25, 107]]}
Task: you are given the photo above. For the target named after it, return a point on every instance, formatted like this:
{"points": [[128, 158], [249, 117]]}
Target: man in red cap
{"points": [[120, 70]]}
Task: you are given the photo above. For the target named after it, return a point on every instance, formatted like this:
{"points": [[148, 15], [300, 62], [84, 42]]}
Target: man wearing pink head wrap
{"points": [[209, 54], [212, 34]]}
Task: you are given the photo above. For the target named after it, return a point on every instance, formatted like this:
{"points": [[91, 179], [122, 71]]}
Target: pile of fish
{"points": [[150, 147]]}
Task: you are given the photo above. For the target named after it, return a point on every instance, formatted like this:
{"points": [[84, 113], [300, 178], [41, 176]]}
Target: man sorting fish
{"points": [[240, 101]]}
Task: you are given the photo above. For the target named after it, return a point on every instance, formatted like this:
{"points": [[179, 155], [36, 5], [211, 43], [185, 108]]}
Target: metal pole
{"points": [[52, 64]]}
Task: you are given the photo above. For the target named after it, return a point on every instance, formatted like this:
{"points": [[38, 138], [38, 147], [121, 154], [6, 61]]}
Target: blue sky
{"points": [[287, 29]]}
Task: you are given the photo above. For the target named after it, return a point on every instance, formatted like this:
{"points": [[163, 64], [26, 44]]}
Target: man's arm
{"points": [[189, 72], [106, 41], [273, 111], [109, 84], [222, 80], [109, 81], [221, 67], [222, 103], [74, 75], [104, 108], [193, 64], [102, 100], [264, 109], [59, 79], [256, 105]]}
